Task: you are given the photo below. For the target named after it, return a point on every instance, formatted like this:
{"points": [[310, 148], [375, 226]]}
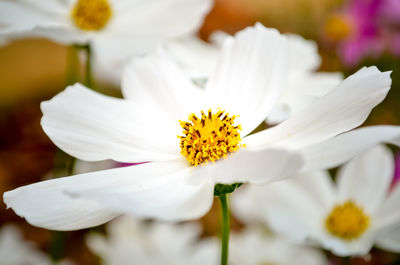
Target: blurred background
{"points": [[350, 34]]}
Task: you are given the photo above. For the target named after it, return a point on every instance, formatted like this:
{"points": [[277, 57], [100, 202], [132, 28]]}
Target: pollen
{"points": [[347, 221], [91, 15], [209, 138]]}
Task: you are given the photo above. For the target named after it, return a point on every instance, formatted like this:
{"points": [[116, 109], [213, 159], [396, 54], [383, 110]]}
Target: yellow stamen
{"points": [[347, 221], [91, 14], [209, 138]]}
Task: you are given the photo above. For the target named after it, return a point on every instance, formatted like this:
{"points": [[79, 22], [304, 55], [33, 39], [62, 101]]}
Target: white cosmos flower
{"points": [[248, 80], [80, 21], [15, 250], [129, 241], [348, 217], [253, 246]]}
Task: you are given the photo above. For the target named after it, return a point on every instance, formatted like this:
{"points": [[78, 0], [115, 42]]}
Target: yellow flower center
{"points": [[209, 138], [338, 27], [91, 14], [347, 221]]}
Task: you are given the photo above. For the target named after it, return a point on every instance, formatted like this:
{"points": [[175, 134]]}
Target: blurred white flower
{"points": [[253, 246], [15, 250], [198, 59], [304, 84], [129, 241], [179, 181], [348, 217], [81, 21], [194, 56]]}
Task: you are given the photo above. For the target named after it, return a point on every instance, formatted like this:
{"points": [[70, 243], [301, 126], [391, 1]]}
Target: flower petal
{"points": [[250, 75], [91, 126], [388, 214], [302, 90], [18, 17], [44, 204], [285, 207], [161, 190], [366, 178], [170, 191], [339, 149], [159, 19], [344, 248], [157, 85], [303, 54], [344, 108], [254, 166], [389, 238]]}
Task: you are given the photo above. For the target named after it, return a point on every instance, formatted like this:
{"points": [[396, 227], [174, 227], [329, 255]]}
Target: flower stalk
{"points": [[225, 229]]}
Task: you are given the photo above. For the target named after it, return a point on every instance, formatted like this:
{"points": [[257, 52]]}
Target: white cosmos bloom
{"points": [[129, 241], [347, 217], [80, 21], [253, 246], [15, 250], [248, 80]]}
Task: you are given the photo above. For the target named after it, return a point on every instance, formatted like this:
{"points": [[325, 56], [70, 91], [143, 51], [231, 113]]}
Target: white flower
{"points": [[14, 250], [80, 21], [248, 80], [253, 246], [304, 83], [196, 57], [348, 217], [130, 241]]}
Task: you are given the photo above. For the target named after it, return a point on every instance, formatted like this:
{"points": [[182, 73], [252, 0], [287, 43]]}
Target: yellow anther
{"points": [[210, 137], [91, 14], [347, 221]]}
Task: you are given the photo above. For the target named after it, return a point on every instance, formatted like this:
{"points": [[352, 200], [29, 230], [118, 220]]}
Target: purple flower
{"points": [[374, 28]]}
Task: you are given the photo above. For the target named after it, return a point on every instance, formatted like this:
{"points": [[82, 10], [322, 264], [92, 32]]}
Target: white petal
{"points": [[250, 75], [344, 108], [358, 247], [389, 238], [339, 149], [195, 56], [91, 126], [289, 210], [160, 18], [254, 166], [158, 85], [319, 185], [303, 54], [18, 17], [244, 205], [158, 190], [44, 204], [302, 90], [366, 178], [169, 191], [388, 214]]}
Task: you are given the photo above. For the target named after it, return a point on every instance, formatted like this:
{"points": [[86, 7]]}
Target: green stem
{"points": [[88, 78], [72, 71], [88, 67], [225, 229]]}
